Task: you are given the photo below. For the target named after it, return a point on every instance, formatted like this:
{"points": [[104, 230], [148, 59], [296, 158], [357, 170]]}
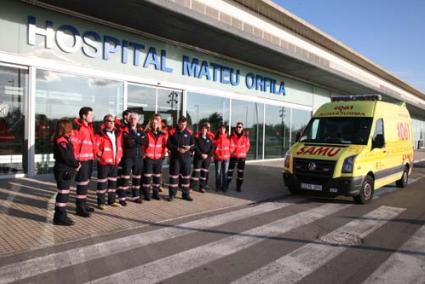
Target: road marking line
{"points": [[170, 266], [407, 265], [28, 268], [298, 264]]}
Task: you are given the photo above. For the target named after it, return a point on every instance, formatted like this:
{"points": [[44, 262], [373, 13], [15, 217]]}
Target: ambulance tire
{"points": [[401, 183], [366, 192], [293, 190]]}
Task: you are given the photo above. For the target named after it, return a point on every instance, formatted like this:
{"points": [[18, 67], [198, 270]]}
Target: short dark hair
{"points": [[125, 112], [182, 119], [204, 125], [239, 123], [84, 111]]}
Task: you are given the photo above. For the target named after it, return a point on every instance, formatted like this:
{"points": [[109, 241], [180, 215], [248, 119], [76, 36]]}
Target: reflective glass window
{"points": [[13, 89], [204, 108], [276, 131], [62, 95]]}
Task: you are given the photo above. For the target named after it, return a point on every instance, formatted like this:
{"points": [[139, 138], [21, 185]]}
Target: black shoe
{"points": [[138, 200], [156, 196], [123, 203], [238, 189], [147, 198], [63, 221], [89, 209], [170, 198], [187, 198]]}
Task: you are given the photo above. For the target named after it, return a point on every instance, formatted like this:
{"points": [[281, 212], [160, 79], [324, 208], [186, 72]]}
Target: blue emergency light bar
{"points": [[356, 98]]}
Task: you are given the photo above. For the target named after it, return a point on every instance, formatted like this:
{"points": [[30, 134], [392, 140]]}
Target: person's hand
{"points": [[204, 156], [181, 150], [187, 148], [78, 168]]}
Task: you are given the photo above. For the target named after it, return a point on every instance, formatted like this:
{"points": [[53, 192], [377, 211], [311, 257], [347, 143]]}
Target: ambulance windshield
{"points": [[338, 130]]}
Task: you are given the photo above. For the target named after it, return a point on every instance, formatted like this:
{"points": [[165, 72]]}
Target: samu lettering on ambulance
{"points": [[320, 151]]}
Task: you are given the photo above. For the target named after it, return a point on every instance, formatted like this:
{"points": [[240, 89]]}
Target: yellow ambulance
{"points": [[352, 146]]}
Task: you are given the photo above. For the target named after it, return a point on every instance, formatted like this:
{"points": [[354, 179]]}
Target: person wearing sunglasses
{"points": [[109, 147], [239, 147]]}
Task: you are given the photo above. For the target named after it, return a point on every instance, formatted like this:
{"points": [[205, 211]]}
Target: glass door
{"points": [[13, 90]]}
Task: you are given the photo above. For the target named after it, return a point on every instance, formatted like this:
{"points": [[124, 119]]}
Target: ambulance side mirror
{"points": [[378, 141]]}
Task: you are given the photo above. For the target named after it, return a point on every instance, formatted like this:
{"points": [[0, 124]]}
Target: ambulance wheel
{"points": [[366, 192], [404, 178], [293, 190]]}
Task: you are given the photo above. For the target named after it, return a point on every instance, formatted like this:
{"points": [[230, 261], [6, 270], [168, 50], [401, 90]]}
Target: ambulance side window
{"points": [[378, 140]]}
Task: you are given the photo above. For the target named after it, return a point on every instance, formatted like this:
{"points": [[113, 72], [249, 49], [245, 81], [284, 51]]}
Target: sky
{"points": [[391, 33]]}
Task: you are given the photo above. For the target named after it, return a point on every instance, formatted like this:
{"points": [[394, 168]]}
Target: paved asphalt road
{"points": [[294, 239]]}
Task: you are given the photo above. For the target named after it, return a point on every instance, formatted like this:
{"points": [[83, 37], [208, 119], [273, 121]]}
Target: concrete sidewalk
{"points": [[27, 204]]}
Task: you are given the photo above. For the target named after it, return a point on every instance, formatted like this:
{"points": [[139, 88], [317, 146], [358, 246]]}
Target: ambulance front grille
{"points": [[322, 169]]}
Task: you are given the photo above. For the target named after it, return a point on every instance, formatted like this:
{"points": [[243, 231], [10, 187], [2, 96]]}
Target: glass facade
{"points": [[271, 129], [147, 100], [13, 89], [277, 129], [62, 95], [204, 108]]}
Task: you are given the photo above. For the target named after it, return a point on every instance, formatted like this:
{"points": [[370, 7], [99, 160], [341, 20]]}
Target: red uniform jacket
{"points": [[105, 150], [239, 146], [156, 145], [222, 150], [83, 141]]}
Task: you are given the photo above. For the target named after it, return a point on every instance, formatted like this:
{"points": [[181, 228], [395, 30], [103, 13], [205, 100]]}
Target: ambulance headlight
{"points": [[348, 165], [287, 160]]}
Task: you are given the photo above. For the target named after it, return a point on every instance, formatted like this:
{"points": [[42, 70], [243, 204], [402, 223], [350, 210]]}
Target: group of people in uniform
{"points": [[130, 157]]}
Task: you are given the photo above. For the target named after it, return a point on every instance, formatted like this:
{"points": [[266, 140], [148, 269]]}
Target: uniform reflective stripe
{"points": [[111, 190], [102, 180], [82, 182], [196, 170], [240, 171], [112, 179], [194, 178], [86, 142], [147, 175], [124, 187], [61, 204], [174, 177], [107, 149], [81, 196], [125, 177], [155, 184], [109, 160], [157, 175], [240, 178], [230, 170], [185, 185], [185, 177], [88, 155], [137, 177], [203, 178], [146, 185], [122, 198], [172, 185], [63, 191], [204, 170], [101, 191]]}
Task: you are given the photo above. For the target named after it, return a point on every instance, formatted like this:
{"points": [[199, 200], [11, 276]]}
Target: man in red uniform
{"points": [[83, 141], [109, 145], [239, 147]]}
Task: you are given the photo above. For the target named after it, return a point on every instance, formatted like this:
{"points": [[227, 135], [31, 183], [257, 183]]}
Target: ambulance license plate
{"points": [[309, 186]]}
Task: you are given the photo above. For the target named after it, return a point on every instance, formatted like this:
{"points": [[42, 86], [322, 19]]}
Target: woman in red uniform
{"points": [[155, 149], [239, 147], [221, 158], [65, 169]]}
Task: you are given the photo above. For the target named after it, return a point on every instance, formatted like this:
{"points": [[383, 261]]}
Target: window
{"points": [[147, 101], [13, 89], [204, 108], [62, 95], [276, 131]]}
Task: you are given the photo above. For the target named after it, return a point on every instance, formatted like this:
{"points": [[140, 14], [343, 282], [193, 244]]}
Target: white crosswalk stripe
{"points": [[43, 264], [405, 266], [298, 264], [181, 262]]}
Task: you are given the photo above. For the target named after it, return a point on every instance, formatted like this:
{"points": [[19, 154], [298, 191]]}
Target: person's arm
{"points": [[67, 155]]}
